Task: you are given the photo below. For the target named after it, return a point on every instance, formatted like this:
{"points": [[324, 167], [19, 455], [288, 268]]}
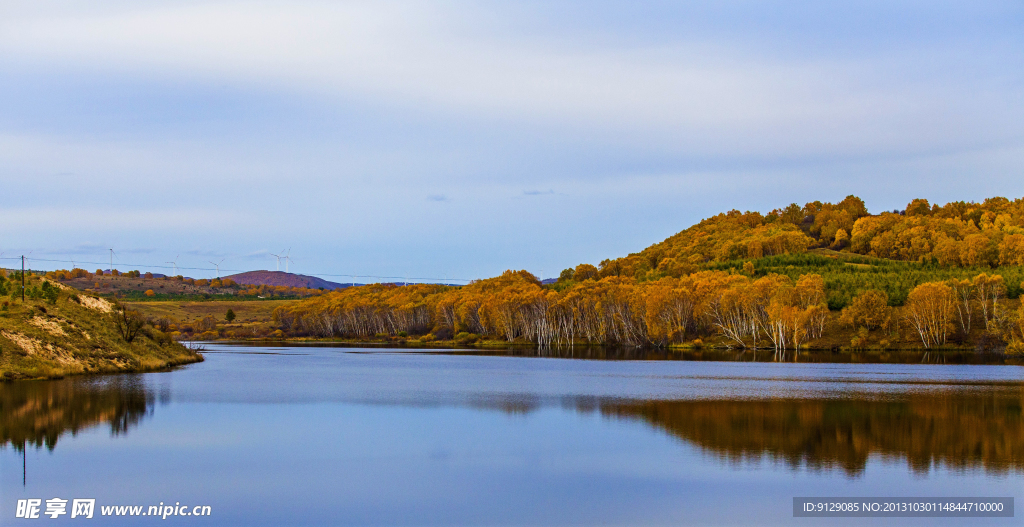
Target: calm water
{"points": [[342, 436]]}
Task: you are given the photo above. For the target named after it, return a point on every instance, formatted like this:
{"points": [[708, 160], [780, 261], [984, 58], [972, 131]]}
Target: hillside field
{"points": [[58, 331]]}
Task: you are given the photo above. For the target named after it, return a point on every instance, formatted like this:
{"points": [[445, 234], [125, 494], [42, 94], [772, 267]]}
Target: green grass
{"points": [[846, 275]]}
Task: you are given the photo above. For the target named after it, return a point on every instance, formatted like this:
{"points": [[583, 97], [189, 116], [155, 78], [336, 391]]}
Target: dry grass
{"points": [[98, 304], [75, 334], [245, 310], [50, 326]]}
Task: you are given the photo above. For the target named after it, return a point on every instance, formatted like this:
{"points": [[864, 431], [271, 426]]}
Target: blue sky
{"points": [[460, 139]]}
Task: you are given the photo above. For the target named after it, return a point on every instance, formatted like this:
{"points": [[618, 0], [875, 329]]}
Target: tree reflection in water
{"points": [[956, 426], [40, 412], [963, 429], [747, 355]]}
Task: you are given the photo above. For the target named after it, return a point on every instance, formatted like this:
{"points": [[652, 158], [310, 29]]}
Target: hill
{"points": [[280, 278], [59, 331], [958, 234], [137, 286], [823, 276]]}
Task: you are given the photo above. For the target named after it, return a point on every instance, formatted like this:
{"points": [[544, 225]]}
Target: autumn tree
{"points": [[964, 292], [733, 312], [207, 323], [869, 309], [977, 250], [929, 310], [584, 272], [1016, 337], [1011, 250], [989, 289], [919, 207]]}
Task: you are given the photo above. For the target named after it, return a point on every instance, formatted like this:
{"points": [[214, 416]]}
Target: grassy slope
{"points": [[39, 339]]}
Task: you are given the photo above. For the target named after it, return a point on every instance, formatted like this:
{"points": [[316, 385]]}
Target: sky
{"points": [[455, 140]]}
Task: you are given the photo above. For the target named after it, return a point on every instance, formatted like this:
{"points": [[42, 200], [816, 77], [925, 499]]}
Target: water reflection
{"points": [[908, 356], [38, 413], [762, 355], [964, 429], [967, 418]]}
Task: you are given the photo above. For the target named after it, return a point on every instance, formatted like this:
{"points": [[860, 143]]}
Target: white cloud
{"points": [[383, 135], [710, 97]]}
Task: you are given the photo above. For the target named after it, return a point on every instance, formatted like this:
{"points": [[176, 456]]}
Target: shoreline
{"points": [[168, 365], [705, 353]]}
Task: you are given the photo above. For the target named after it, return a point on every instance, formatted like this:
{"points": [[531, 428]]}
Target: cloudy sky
{"points": [[460, 139]]}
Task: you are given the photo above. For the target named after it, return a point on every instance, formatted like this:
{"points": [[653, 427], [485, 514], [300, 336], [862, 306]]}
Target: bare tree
{"points": [[129, 323]]}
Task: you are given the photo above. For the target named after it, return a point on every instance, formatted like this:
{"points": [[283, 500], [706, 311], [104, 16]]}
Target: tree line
{"points": [[219, 285], [740, 310], [752, 280]]}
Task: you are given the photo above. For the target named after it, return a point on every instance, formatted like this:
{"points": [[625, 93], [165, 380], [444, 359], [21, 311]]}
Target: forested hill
{"points": [[825, 276], [279, 278], [988, 234]]}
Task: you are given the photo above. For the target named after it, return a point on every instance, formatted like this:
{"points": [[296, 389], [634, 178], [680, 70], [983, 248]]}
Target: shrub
{"points": [[127, 322], [868, 309], [466, 338]]}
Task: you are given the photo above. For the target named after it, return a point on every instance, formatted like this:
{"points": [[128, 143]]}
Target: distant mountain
{"points": [[279, 278]]}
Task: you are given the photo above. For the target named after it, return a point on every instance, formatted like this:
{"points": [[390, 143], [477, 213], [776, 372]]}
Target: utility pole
{"points": [[23, 279]]}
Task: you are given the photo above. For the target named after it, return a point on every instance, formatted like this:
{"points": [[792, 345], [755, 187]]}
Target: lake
{"points": [[311, 435]]}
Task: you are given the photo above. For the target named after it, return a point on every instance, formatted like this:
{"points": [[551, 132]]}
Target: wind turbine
{"points": [[111, 263], [278, 256], [175, 264], [217, 265], [287, 259]]}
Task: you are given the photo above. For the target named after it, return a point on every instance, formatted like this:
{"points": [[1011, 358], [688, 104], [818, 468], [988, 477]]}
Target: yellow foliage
{"points": [[869, 310], [958, 233], [930, 308]]}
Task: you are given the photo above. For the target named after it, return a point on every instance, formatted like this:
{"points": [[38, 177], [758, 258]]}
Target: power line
{"points": [[153, 266]]}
